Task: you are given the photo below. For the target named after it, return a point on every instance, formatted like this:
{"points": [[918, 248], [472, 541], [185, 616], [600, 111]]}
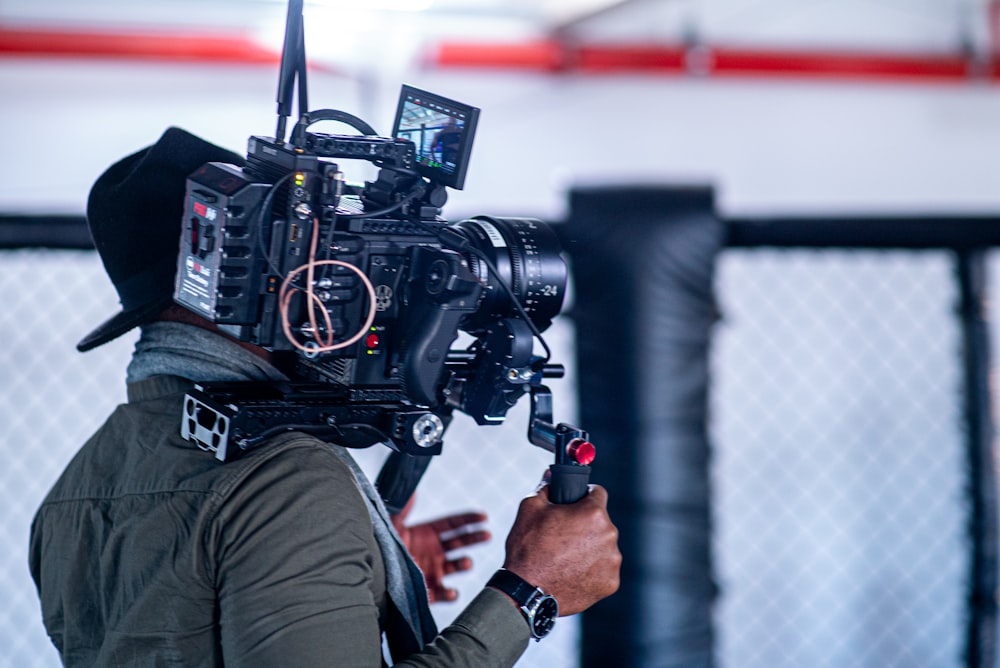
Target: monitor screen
{"points": [[442, 131]]}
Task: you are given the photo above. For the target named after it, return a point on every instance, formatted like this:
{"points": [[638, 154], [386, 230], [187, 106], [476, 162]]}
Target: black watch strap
{"points": [[514, 586], [538, 608]]}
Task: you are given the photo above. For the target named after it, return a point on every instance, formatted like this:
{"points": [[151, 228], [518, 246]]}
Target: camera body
{"points": [[367, 287]]}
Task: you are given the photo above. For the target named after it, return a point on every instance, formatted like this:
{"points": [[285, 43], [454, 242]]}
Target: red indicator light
{"points": [[372, 341], [201, 209], [581, 451]]}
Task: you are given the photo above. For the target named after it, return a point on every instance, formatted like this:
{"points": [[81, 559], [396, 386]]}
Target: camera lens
{"points": [[526, 254]]}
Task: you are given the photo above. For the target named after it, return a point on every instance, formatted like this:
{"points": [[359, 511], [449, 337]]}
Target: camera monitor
{"points": [[442, 131]]}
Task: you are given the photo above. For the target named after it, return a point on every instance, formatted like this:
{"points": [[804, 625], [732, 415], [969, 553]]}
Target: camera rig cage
{"points": [[363, 291]]}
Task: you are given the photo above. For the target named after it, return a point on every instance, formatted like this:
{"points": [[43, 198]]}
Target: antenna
{"points": [[293, 62], [303, 92]]}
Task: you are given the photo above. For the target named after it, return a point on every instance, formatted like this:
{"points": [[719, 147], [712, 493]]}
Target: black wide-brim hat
{"points": [[134, 212]]}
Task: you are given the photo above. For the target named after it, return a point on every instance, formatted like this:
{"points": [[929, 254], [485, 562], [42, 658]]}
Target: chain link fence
{"points": [[840, 480]]}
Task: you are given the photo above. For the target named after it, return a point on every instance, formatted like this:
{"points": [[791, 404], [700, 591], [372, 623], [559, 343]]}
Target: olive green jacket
{"points": [[148, 551]]}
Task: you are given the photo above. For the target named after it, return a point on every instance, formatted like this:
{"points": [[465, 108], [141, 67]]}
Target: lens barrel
{"points": [[527, 256]]}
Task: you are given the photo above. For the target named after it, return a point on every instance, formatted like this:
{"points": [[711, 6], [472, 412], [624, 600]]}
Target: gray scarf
{"points": [[186, 351], [178, 349]]}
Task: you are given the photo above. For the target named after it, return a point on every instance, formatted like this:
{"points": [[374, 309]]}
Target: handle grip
{"points": [[568, 483], [399, 477]]}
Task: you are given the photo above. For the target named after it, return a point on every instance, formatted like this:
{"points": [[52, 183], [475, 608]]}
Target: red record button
{"points": [[581, 451], [372, 341]]}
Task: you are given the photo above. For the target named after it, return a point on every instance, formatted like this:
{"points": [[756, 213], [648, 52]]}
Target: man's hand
{"points": [[429, 544], [569, 550]]}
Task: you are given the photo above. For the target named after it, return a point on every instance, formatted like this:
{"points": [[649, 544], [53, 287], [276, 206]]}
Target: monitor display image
{"points": [[442, 131]]}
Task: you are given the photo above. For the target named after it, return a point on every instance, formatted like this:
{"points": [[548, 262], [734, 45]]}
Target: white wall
{"points": [[767, 145]]}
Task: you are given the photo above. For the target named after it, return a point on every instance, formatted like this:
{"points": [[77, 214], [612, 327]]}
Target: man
{"points": [[148, 551], [447, 141]]}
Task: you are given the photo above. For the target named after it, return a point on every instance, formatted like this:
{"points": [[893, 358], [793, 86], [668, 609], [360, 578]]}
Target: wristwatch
{"points": [[539, 609]]}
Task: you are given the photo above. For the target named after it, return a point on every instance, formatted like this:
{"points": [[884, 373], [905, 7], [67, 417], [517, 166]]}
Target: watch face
{"points": [[544, 616]]}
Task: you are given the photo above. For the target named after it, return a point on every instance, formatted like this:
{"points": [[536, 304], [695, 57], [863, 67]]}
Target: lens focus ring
{"points": [[526, 255]]}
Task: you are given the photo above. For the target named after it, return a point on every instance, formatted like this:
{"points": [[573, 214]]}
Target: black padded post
{"points": [[643, 261]]}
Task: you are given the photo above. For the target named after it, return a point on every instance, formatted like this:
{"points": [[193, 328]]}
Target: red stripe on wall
{"points": [[144, 46], [838, 64], [536, 55], [714, 61], [539, 55], [637, 58]]}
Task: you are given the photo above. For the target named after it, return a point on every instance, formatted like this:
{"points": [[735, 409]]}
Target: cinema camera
{"points": [[367, 289]]}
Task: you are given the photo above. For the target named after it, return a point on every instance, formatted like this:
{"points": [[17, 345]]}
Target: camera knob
{"points": [[581, 451], [427, 430]]}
